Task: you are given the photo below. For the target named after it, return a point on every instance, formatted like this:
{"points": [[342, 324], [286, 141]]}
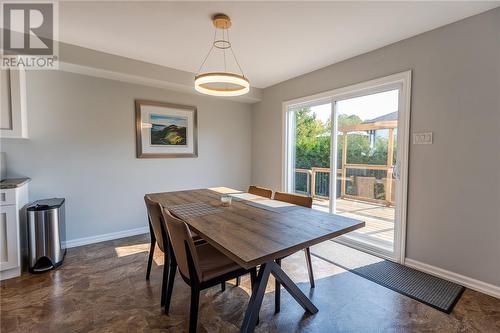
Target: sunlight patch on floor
{"points": [[123, 251], [158, 259], [296, 263]]}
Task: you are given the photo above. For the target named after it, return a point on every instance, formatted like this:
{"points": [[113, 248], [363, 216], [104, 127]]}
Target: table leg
{"points": [[259, 289], [293, 289], [277, 292]]}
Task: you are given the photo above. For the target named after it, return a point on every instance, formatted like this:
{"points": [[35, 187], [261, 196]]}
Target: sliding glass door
{"points": [[367, 135], [344, 150]]}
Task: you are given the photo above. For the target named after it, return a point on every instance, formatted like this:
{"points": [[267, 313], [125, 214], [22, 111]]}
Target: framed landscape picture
{"points": [[165, 130]]}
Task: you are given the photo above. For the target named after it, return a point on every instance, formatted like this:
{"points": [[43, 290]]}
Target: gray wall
{"points": [[82, 147], [454, 184]]}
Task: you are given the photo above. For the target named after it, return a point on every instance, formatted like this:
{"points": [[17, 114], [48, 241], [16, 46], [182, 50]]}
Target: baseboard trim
{"points": [[465, 281], [105, 237], [10, 273]]}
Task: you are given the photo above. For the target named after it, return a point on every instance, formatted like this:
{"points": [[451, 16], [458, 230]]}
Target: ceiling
{"points": [[274, 41]]}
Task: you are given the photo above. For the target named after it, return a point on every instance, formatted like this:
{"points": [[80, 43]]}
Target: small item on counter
{"points": [[225, 200]]}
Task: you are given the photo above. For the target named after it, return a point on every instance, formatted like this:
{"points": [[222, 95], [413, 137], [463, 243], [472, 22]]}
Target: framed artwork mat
{"points": [[165, 130]]}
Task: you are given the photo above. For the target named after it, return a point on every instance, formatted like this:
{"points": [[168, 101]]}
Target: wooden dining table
{"points": [[255, 231]]}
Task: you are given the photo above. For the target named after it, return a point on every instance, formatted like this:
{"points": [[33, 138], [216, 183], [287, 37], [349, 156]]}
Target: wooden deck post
{"points": [[308, 186], [344, 162], [313, 182]]}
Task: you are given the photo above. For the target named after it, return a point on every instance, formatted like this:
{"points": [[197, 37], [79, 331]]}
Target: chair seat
{"points": [[195, 236], [214, 263]]}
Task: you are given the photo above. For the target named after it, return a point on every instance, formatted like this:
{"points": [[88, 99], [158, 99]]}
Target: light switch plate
{"points": [[422, 138]]}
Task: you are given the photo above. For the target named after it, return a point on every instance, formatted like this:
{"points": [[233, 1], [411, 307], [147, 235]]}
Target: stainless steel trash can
{"points": [[46, 234]]}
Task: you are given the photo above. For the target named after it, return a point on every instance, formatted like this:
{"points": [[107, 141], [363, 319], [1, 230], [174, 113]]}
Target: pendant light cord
{"points": [[224, 50], [234, 56], [208, 54], [224, 33]]}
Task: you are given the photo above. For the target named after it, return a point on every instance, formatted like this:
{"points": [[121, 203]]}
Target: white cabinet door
{"points": [[8, 197], [9, 257], [13, 114]]}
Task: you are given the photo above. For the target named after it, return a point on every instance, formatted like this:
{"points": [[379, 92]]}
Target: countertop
{"points": [[13, 183]]}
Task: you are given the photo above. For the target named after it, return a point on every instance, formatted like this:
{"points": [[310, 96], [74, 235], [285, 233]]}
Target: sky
{"points": [[168, 120], [366, 107]]}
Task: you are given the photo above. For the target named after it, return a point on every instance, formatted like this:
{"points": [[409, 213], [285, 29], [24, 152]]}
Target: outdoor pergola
{"points": [[389, 125]]}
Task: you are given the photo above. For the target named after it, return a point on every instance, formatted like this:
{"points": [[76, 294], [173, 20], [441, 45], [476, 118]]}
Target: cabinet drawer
{"points": [[8, 197]]}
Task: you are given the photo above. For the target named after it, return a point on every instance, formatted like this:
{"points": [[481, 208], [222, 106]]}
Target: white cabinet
{"points": [[8, 231], [13, 114], [12, 230]]}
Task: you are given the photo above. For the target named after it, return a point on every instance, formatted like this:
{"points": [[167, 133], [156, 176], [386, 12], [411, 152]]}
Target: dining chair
{"points": [[158, 236], [304, 201], [200, 266], [260, 191]]}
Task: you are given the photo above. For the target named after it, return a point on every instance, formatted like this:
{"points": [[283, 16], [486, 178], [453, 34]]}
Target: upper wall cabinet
{"points": [[13, 120]]}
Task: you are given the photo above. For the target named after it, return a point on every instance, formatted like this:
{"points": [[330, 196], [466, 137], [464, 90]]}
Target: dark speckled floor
{"points": [[102, 288]]}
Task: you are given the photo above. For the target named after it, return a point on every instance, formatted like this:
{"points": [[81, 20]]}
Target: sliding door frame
{"points": [[401, 81]]}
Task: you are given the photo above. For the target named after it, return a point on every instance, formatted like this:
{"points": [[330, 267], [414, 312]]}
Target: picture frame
{"points": [[165, 130]]}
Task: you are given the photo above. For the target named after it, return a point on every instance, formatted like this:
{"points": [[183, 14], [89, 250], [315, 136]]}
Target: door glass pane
{"points": [[311, 129], [366, 155]]}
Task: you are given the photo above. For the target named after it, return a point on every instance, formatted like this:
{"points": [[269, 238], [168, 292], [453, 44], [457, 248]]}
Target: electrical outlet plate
{"points": [[422, 138]]}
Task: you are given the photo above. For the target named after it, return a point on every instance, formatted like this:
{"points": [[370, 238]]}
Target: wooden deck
{"points": [[379, 219]]}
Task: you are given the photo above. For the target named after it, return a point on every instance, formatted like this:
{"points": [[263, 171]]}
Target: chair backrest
{"points": [[260, 191], [155, 218], [295, 199], [180, 235]]}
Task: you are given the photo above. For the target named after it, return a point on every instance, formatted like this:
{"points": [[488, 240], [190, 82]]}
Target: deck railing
{"points": [[316, 183], [366, 182]]}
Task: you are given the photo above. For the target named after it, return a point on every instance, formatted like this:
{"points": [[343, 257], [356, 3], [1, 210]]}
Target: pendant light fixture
{"points": [[221, 83]]}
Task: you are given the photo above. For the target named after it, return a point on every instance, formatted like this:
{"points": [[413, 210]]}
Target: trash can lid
{"points": [[46, 204]]}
